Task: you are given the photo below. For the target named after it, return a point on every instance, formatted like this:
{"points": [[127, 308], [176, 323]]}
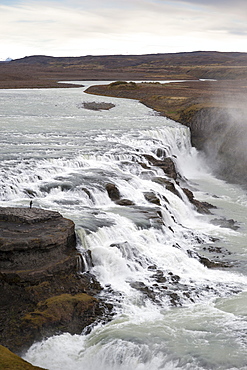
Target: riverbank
{"points": [[215, 111], [112, 173]]}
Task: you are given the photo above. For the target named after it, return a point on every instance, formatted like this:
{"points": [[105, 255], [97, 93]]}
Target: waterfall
{"points": [[138, 233]]}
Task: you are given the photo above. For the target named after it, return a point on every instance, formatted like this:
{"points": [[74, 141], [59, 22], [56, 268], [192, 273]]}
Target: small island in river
{"points": [[211, 99]]}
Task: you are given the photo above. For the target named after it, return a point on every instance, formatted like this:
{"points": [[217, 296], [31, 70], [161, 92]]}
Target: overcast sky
{"points": [[96, 27]]}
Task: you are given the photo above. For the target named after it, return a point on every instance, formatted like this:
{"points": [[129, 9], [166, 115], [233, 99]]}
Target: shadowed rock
{"points": [[166, 164], [34, 242], [112, 191], [41, 291], [201, 207]]}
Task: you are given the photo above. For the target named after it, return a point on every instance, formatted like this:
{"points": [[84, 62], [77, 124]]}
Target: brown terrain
{"points": [[45, 71]]}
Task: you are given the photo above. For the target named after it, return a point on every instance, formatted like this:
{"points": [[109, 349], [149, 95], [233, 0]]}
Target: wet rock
{"points": [[174, 298], [152, 267], [159, 277], [219, 250], [201, 207], [144, 165], [212, 264], [161, 153], [125, 202], [166, 164], [88, 193], [208, 262], [31, 193], [168, 184], [112, 191], [174, 278], [138, 285], [223, 222], [152, 198]]}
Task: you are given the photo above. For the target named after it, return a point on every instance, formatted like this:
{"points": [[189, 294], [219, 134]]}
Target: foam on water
{"points": [[171, 312]]}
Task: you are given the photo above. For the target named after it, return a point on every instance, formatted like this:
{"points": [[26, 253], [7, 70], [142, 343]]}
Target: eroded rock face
{"points": [[39, 278], [221, 133], [33, 238]]}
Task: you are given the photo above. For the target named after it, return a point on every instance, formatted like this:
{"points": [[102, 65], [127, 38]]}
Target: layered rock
{"points": [[34, 243], [41, 291]]}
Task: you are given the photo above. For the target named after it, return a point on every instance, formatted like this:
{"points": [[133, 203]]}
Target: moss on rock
{"points": [[10, 361], [59, 311]]}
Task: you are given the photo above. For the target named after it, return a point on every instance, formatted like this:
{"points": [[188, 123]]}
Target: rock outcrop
{"points": [[166, 164], [34, 243], [41, 291]]}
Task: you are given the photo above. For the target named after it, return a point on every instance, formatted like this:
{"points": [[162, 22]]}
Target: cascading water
{"points": [[145, 241]]}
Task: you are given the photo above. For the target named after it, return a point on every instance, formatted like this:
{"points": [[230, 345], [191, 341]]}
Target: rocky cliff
{"points": [[221, 133], [215, 111], [41, 291]]}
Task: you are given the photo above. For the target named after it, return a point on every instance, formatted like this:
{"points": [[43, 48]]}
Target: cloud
{"points": [[79, 27]]}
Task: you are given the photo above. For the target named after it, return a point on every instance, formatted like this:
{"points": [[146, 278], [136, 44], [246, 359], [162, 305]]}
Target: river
{"points": [[171, 312]]}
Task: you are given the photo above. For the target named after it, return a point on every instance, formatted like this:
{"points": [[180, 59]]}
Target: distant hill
{"points": [[191, 58], [45, 71], [109, 61]]}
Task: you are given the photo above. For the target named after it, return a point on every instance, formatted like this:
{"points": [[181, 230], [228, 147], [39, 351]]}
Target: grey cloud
{"points": [[216, 3], [238, 31]]}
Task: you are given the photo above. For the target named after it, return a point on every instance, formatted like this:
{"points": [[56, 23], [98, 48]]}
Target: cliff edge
{"points": [[41, 291], [215, 112]]}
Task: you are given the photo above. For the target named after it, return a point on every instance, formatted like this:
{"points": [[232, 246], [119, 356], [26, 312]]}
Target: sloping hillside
{"points": [[45, 71]]}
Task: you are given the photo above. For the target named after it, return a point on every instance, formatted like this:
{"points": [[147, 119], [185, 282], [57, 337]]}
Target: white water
{"points": [[61, 156]]}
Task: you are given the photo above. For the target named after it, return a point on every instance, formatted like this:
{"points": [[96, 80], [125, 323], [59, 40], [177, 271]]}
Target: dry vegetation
{"points": [[179, 100], [10, 361], [44, 71]]}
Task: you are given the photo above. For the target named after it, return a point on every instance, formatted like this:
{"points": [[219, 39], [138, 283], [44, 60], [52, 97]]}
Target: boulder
{"points": [[112, 191]]}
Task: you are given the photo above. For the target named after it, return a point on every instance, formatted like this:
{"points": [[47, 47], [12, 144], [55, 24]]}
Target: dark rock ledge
{"points": [[41, 292]]}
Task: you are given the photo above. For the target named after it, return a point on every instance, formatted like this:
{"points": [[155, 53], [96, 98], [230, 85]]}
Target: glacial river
{"points": [[171, 312]]}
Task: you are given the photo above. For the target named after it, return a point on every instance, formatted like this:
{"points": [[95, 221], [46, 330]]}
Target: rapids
{"points": [[170, 311]]}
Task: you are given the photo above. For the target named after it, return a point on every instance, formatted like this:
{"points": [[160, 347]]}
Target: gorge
{"points": [[166, 237]]}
